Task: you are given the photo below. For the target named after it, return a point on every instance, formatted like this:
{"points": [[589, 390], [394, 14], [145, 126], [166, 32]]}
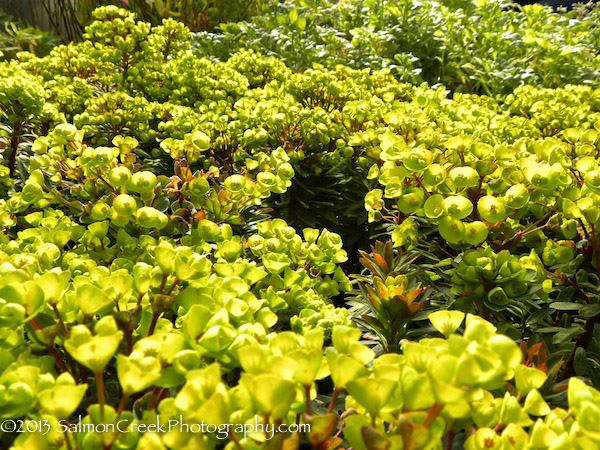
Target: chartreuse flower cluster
{"points": [[497, 279], [470, 188], [153, 88], [148, 282], [517, 213], [159, 309], [437, 386], [107, 187]]}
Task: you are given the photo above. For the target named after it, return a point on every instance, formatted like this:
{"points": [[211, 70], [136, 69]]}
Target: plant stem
{"points": [[420, 183], [155, 317], [175, 283], [59, 359], [100, 391], [110, 186], [73, 369], [129, 341], [531, 228], [236, 440], [308, 405], [334, 397], [583, 341], [450, 440], [432, 414], [154, 399], [162, 283], [597, 253], [68, 441], [35, 324], [60, 320], [14, 145], [83, 376], [585, 231], [122, 403]]}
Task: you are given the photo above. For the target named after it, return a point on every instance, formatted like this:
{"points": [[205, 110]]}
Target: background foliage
{"points": [[483, 47], [16, 36]]}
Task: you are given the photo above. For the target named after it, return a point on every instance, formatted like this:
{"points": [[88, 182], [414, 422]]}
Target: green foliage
{"points": [[388, 299], [488, 47], [17, 36], [195, 14], [178, 234]]}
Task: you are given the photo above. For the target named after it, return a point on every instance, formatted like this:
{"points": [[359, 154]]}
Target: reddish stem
{"points": [[432, 414], [308, 405], [450, 440], [175, 283], [334, 397], [155, 317]]}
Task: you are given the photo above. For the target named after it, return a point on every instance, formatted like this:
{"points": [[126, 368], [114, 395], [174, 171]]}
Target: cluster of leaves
{"points": [[477, 46], [16, 36], [170, 251]]}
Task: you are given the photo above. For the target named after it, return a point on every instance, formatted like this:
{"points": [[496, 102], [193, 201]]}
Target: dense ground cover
{"points": [[180, 234], [482, 47]]}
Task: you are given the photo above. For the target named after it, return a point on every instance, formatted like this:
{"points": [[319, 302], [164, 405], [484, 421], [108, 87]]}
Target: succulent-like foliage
{"points": [[178, 234]]}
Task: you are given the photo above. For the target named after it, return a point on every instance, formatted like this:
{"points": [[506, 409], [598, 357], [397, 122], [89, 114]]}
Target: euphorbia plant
{"points": [[22, 108], [147, 273]]}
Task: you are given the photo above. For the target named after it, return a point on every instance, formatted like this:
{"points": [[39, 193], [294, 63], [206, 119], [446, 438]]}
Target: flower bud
{"points": [[285, 171], [457, 207], [452, 230], [411, 201], [124, 205], [200, 141], [100, 211], [492, 209], [266, 180], [418, 159], [119, 176], [119, 220], [433, 206], [143, 182], [434, 175], [207, 230], [65, 131], [148, 217], [517, 196], [475, 233], [464, 177], [235, 183], [99, 229], [273, 245], [256, 242], [497, 296], [32, 192], [261, 135], [103, 156], [569, 228], [199, 186]]}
